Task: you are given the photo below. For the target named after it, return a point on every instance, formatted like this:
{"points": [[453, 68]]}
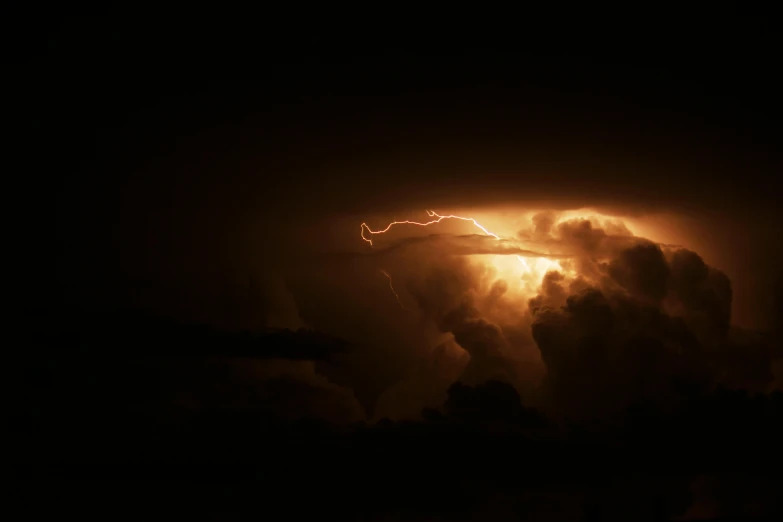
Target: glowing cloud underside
{"points": [[534, 273]]}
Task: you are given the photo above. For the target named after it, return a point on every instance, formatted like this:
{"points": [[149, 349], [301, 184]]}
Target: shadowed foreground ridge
{"points": [[199, 426]]}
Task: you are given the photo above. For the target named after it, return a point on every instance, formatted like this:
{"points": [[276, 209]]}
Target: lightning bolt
{"points": [[365, 228], [438, 219], [391, 285], [430, 213]]}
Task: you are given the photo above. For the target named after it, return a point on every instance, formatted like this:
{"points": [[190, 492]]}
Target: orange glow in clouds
{"points": [[526, 271]]}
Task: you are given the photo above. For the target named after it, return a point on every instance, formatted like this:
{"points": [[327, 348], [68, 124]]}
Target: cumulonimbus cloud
{"points": [[631, 319]]}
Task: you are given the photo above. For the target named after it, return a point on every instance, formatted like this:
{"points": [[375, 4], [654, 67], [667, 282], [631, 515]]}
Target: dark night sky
{"points": [[163, 133], [198, 188]]}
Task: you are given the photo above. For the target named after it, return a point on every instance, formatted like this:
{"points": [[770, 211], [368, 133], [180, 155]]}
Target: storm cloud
{"points": [[625, 319]]}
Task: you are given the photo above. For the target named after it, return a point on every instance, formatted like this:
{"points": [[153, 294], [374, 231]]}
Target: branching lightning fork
{"points": [[438, 218], [430, 213]]}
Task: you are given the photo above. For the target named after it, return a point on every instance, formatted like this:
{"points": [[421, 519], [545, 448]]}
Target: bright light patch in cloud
{"points": [[522, 274]]}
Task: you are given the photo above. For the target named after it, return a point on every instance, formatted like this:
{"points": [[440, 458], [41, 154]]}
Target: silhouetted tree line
{"points": [[109, 416]]}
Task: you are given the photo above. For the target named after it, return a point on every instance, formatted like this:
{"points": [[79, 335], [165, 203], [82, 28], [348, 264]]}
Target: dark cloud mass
{"points": [[642, 271], [635, 326]]}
